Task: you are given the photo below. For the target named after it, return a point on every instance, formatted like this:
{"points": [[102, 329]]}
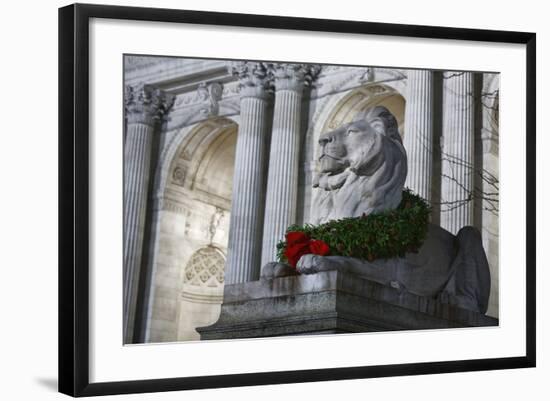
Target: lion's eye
{"points": [[352, 131]]}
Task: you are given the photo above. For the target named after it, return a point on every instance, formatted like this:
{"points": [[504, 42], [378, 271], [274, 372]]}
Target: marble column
{"points": [[247, 204], [419, 132], [282, 181], [457, 154], [144, 107]]}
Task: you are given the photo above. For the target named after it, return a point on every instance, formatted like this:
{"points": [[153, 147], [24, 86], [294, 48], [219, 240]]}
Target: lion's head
{"points": [[362, 167]]}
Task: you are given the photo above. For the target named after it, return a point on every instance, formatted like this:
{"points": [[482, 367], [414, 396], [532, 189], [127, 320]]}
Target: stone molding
{"points": [[145, 104], [201, 298], [170, 205]]}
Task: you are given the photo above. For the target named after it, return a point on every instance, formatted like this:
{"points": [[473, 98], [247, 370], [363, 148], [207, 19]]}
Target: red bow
{"points": [[299, 244]]}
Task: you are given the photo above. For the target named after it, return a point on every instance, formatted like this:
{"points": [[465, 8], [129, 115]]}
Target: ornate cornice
{"points": [[254, 78], [146, 105], [293, 76]]}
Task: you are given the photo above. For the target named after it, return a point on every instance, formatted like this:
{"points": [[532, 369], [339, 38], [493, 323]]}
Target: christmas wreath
{"points": [[378, 235]]}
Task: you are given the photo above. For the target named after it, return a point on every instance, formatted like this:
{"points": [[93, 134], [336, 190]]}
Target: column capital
{"points": [[293, 77], [254, 78], [145, 104]]}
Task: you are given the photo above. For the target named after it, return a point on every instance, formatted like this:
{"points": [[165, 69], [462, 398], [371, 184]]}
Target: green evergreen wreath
{"points": [[376, 236]]}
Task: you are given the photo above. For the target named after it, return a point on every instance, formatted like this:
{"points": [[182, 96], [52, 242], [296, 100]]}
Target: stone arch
{"points": [[184, 144], [192, 210]]}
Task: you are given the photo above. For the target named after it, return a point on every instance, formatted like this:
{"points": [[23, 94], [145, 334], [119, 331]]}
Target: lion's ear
{"points": [[378, 126]]}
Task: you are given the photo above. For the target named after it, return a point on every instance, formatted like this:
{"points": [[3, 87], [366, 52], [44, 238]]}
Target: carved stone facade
{"points": [[228, 159]]}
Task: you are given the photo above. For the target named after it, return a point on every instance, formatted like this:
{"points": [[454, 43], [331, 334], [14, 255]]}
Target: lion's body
{"points": [[451, 268]]}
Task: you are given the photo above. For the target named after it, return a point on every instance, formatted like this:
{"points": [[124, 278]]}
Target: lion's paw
{"points": [[309, 264], [275, 269]]}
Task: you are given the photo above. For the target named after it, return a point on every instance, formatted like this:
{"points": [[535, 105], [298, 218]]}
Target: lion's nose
{"points": [[325, 139]]}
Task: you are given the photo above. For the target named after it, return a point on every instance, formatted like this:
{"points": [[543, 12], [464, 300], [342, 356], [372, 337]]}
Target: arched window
{"points": [[205, 268]]}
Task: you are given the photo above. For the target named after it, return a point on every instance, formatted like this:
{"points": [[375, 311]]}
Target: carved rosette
{"points": [[146, 105], [293, 76], [254, 78], [178, 176]]}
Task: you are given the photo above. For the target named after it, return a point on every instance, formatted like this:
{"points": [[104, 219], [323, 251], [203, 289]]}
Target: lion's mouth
{"points": [[332, 165]]}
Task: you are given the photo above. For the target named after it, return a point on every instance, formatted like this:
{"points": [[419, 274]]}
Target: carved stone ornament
{"points": [[178, 176], [215, 220], [145, 105], [367, 75], [254, 78], [210, 94], [293, 76]]}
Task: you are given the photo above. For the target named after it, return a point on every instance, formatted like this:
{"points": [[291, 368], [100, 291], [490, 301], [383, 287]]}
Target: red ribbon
{"points": [[299, 244]]}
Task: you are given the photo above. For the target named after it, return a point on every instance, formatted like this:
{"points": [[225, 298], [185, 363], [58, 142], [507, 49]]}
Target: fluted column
{"points": [[419, 132], [457, 155], [247, 204], [144, 106], [282, 182]]}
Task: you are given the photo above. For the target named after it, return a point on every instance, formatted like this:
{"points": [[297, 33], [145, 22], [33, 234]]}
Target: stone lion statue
{"points": [[363, 166]]}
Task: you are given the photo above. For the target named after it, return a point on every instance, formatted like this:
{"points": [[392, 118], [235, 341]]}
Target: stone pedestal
{"points": [[329, 302]]}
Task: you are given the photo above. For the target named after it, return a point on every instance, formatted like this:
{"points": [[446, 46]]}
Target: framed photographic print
{"points": [[250, 199]]}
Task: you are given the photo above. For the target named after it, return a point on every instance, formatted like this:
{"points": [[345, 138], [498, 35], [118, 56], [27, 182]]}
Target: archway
{"points": [[191, 218]]}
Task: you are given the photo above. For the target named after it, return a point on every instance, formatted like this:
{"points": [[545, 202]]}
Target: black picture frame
{"points": [[74, 194]]}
